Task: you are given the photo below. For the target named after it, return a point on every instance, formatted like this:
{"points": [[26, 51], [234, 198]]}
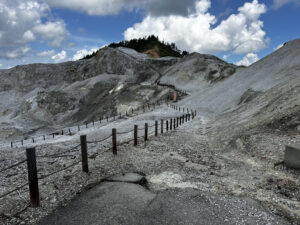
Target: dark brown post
{"points": [[171, 124], [132, 111], [62, 132], [100, 119], [114, 141], [180, 118], [183, 119], [162, 126], [11, 144], [70, 133], [84, 155], [32, 140], [186, 117], [32, 178], [135, 135], [177, 122], [156, 127], [174, 120], [146, 132], [44, 137], [167, 125], [22, 142], [189, 115], [120, 115], [106, 118]]}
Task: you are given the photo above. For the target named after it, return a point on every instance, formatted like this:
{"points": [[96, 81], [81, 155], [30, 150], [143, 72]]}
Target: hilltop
{"points": [[151, 46]]}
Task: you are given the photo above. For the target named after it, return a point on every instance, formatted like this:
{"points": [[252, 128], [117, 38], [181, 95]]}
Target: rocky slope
{"points": [[43, 97]]}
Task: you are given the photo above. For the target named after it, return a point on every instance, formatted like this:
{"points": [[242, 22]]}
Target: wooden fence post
{"points": [[62, 132], [33, 140], [174, 120], [171, 125], [70, 133], [22, 142], [162, 126], [167, 125], [53, 135], [177, 122], [146, 132], [156, 128], [93, 123], [11, 144], [84, 155], [135, 135], [32, 178], [114, 141], [44, 137], [186, 117]]}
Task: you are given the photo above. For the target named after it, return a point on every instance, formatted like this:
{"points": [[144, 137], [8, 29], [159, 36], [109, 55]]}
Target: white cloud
{"points": [[279, 3], [248, 60], [16, 53], [46, 53], [241, 33], [225, 57], [108, 7], [55, 32], [59, 56], [83, 52], [278, 47], [22, 22]]}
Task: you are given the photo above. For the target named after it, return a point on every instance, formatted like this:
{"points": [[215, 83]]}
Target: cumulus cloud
{"points": [[108, 7], [82, 53], [46, 53], [248, 59], [53, 31], [278, 47], [279, 3], [241, 32], [59, 56], [22, 22]]}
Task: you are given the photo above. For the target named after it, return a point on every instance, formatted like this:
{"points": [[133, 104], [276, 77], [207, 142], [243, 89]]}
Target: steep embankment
{"points": [[280, 67]]}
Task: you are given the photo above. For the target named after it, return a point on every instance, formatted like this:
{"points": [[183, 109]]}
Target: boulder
{"points": [[292, 156]]}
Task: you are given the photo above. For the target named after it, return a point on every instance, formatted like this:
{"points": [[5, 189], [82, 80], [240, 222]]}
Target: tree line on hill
{"points": [[148, 43]]}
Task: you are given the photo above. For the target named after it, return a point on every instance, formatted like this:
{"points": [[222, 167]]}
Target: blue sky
{"points": [[52, 31]]}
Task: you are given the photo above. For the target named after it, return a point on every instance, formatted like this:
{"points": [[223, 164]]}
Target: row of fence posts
{"points": [[173, 123], [62, 132]]}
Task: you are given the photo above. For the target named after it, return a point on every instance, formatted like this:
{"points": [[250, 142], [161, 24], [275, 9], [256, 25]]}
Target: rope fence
{"points": [[31, 157], [69, 131]]}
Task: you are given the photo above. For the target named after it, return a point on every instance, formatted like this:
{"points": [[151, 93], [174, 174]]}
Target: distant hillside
{"points": [[150, 45]]}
